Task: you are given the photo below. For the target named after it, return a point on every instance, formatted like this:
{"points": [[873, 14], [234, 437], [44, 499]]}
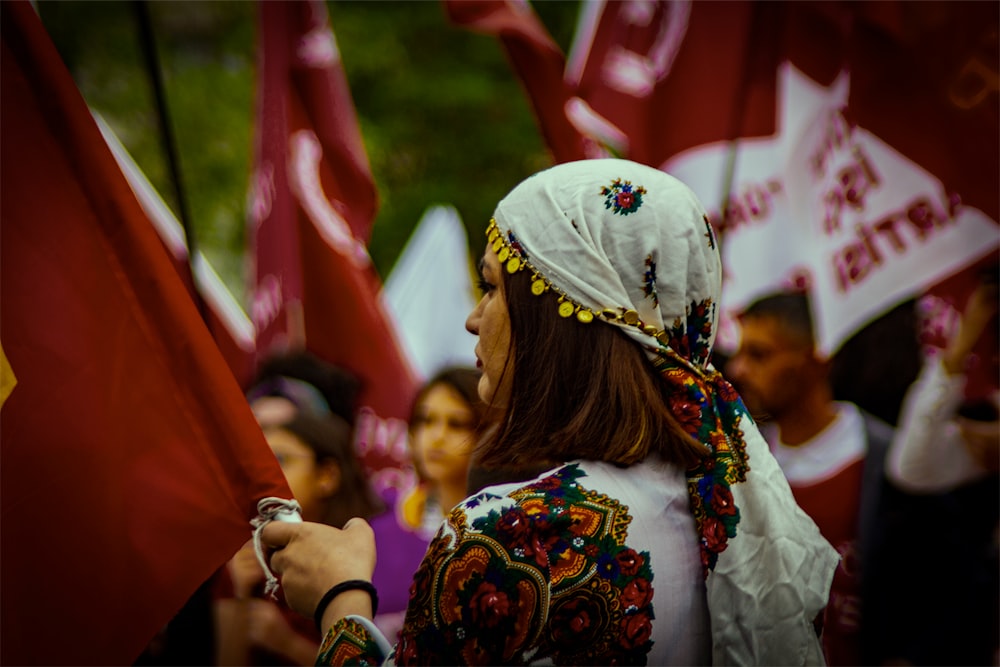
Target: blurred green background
{"points": [[443, 118]]}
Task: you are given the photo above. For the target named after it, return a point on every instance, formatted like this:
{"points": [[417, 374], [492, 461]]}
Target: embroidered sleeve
{"points": [[352, 641], [542, 573]]}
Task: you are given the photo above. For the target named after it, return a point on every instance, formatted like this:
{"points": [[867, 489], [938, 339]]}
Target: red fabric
{"points": [[315, 285], [834, 504], [239, 359], [721, 84], [924, 79], [538, 61], [131, 462], [923, 75], [239, 356]]}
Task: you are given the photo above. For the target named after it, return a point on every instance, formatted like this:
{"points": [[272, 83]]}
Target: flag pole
{"points": [[148, 45], [737, 119]]}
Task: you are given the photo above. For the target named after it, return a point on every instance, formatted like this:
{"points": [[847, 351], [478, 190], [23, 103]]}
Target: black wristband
{"points": [[349, 585]]}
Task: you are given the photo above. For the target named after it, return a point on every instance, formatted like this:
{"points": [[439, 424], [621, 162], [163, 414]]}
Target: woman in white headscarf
{"points": [[664, 532]]}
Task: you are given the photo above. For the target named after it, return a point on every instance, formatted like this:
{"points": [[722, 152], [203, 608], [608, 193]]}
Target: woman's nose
{"points": [[436, 431], [472, 321]]}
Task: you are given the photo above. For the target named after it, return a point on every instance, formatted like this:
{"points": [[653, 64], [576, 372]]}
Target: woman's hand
{"points": [[310, 558]]}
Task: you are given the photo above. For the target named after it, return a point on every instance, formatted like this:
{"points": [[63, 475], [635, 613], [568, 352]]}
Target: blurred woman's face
{"points": [[490, 321], [311, 482], [443, 432]]}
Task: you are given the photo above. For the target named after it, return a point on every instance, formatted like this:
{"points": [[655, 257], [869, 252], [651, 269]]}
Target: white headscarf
{"points": [[625, 244]]}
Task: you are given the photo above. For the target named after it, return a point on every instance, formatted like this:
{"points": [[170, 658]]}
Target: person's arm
{"points": [[469, 601], [928, 454]]}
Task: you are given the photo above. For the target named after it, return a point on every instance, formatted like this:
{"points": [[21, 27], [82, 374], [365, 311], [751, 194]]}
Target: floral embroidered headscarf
{"points": [[614, 242], [631, 246]]}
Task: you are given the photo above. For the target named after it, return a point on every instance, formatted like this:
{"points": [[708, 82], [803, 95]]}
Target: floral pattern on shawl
{"points": [[547, 575], [708, 408], [692, 339]]}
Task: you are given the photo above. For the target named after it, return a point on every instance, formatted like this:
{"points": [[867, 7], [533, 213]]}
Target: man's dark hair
{"points": [[790, 308]]}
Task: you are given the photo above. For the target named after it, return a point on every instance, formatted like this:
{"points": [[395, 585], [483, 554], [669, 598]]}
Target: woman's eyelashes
{"points": [[486, 286]]}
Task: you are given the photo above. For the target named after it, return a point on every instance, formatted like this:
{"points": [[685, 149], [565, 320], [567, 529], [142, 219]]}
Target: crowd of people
{"points": [[597, 492]]}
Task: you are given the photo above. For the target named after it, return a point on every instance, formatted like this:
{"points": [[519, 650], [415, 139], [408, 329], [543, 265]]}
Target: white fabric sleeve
{"points": [[774, 577], [927, 454]]}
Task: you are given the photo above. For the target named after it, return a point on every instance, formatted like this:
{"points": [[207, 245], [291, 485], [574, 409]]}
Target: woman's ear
{"points": [[328, 477]]}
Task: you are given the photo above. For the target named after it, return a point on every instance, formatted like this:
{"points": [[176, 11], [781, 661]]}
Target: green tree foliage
{"points": [[443, 118]]}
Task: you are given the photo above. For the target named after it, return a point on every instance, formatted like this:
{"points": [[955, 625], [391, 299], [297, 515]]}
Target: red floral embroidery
{"points": [[722, 501], [714, 531], [489, 606], [629, 562], [621, 197], [688, 414], [574, 621], [635, 630], [637, 593], [517, 584]]}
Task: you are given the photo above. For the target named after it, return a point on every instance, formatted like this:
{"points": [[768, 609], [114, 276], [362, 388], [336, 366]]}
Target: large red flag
{"points": [[313, 205], [230, 326], [131, 462]]}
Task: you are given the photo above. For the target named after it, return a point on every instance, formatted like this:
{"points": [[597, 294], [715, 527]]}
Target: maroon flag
{"points": [[131, 462], [924, 78], [230, 327], [313, 204], [538, 61]]}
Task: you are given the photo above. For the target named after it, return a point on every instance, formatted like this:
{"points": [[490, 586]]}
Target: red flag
{"points": [[229, 324], [938, 105], [313, 205], [670, 76], [131, 461], [538, 61]]}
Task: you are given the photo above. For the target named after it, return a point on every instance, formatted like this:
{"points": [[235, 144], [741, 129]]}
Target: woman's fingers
{"points": [[311, 557], [277, 534]]}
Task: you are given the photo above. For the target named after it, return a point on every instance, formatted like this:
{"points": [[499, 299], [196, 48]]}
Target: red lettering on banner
{"points": [[838, 132], [918, 220], [754, 204], [383, 439], [852, 185], [652, 34], [267, 302]]}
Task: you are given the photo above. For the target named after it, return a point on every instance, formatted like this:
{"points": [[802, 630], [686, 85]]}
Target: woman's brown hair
{"points": [[579, 391]]}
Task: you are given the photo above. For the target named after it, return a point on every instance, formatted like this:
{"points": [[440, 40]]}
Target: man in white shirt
{"points": [[831, 452]]}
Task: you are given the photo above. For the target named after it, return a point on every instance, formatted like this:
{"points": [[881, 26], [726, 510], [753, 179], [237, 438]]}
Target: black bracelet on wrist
{"points": [[349, 585]]}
